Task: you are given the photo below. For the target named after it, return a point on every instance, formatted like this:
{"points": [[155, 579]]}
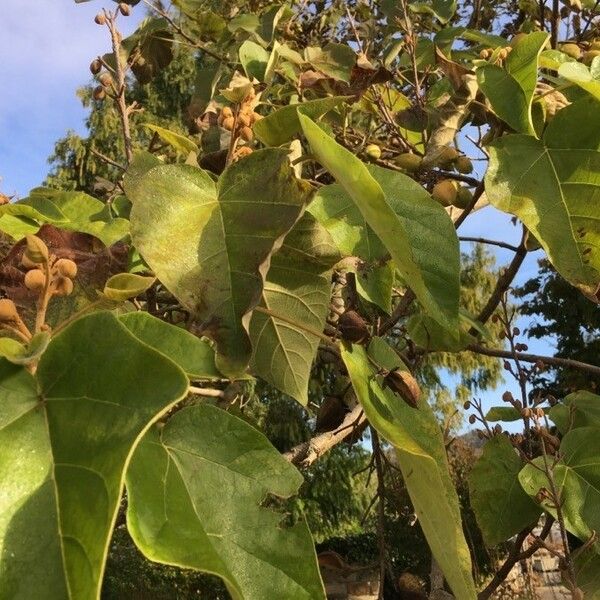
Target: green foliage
{"points": [[61, 496], [186, 489], [553, 180], [294, 278], [208, 268], [421, 454], [501, 506]]}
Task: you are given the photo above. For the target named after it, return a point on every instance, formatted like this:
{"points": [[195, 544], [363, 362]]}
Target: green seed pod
{"points": [[373, 151], [445, 192], [408, 161], [463, 165], [463, 197], [571, 49]]}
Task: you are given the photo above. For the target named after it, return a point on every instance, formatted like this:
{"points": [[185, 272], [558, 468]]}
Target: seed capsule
{"points": [[228, 123], [247, 134], [105, 79], [8, 311], [124, 9], [96, 66], [408, 161], [227, 112], [353, 327], [66, 267], [256, 117], [99, 93], [445, 192], [35, 280], [64, 286], [373, 151], [463, 165], [405, 385], [244, 119], [100, 19]]}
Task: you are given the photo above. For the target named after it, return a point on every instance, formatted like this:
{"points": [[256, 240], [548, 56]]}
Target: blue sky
{"points": [[46, 47]]}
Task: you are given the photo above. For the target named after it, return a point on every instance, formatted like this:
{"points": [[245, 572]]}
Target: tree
{"points": [[293, 235]]}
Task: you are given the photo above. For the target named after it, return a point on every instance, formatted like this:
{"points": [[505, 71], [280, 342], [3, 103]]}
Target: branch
{"points": [[532, 358], [119, 97], [503, 283], [307, 453], [207, 392], [514, 556], [480, 240]]}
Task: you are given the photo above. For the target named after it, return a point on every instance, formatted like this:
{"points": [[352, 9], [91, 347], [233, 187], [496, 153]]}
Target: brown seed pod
{"points": [[485, 54], [66, 267], [331, 414], [35, 280], [105, 79], [63, 286], [226, 112], [405, 385], [243, 151], [228, 123], [244, 119], [247, 134], [99, 93], [8, 311], [100, 19], [353, 327], [96, 66], [255, 117], [124, 9]]}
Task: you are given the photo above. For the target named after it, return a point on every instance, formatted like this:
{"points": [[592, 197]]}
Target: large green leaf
{"points": [[195, 493], [66, 438], [416, 231], [335, 60], [211, 243], [501, 506], [195, 356], [577, 478], [553, 186], [581, 75], [282, 125], [298, 288], [510, 90], [579, 409], [417, 438], [74, 211], [179, 142], [587, 573]]}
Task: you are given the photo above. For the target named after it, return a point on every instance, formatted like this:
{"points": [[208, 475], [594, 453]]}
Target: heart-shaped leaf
{"points": [[298, 288], [211, 243], [195, 356], [20, 354], [196, 502], [552, 185], [501, 506], [66, 438], [510, 89]]}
